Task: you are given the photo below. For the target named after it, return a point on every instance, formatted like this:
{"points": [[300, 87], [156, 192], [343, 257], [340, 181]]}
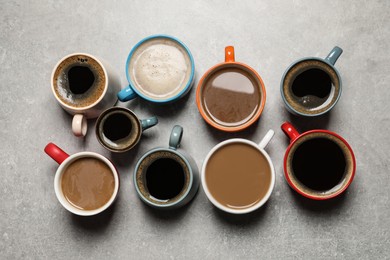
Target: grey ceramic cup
{"points": [[119, 129], [189, 167], [311, 104]]}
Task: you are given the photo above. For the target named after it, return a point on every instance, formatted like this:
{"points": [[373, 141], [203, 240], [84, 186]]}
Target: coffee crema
{"points": [[87, 183], [118, 129], [238, 175], [79, 81], [160, 68], [163, 177], [231, 96], [311, 86]]}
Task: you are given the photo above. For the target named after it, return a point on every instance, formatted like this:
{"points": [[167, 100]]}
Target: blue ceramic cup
{"points": [[312, 86], [167, 178], [160, 69]]}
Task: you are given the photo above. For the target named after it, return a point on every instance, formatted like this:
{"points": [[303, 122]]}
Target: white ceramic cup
{"points": [[260, 147], [64, 160], [107, 99]]}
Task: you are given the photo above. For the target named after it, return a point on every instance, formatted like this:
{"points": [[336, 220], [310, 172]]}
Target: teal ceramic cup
{"points": [[312, 86], [160, 69], [167, 178]]}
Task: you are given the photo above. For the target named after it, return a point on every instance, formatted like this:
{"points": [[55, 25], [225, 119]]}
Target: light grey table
{"points": [[267, 35]]}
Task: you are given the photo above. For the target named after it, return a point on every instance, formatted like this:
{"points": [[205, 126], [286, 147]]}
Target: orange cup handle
{"points": [[229, 54]]}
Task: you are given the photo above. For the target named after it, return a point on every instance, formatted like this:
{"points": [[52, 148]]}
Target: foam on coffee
{"points": [[160, 68], [79, 81], [238, 175]]}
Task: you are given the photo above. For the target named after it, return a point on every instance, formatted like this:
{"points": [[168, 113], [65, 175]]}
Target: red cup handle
{"points": [[229, 54], [290, 131], [56, 153]]}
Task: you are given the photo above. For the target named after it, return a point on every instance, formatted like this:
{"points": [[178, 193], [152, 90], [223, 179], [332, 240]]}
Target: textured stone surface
{"points": [[267, 35]]}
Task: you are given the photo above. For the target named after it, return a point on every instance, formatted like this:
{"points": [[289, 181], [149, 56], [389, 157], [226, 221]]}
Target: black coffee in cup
{"points": [[118, 129], [79, 81], [311, 86], [319, 163], [163, 177]]}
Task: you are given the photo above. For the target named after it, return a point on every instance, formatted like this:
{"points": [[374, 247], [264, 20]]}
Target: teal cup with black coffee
{"points": [[119, 129], [167, 178], [312, 86]]}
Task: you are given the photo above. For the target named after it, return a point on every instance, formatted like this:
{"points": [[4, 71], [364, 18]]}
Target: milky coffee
{"points": [[160, 68]]}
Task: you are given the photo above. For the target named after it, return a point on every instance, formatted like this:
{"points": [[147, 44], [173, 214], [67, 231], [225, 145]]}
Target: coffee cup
{"points": [[167, 178], [160, 69], [84, 86], [85, 183], [318, 164], [230, 95], [238, 175], [119, 129], [312, 86]]}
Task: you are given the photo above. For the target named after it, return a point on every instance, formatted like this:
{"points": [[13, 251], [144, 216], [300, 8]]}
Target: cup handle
{"points": [[290, 131], [148, 123], [126, 94], [266, 139], [176, 135], [334, 55], [79, 125], [56, 153], [229, 54]]}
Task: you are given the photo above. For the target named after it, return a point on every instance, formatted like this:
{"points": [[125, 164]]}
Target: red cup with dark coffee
{"points": [[318, 164]]}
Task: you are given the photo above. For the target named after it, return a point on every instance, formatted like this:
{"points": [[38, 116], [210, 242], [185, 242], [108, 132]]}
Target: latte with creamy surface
{"points": [[160, 68]]}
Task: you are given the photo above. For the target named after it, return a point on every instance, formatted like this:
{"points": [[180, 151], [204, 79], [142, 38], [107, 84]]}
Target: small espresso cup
{"points": [[85, 183], [312, 86], [119, 129], [84, 86], [160, 69], [238, 175], [318, 164], [230, 95], [166, 178]]}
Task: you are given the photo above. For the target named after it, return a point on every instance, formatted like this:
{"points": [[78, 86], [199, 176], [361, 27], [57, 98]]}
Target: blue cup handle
{"points": [[127, 94], [148, 123], [334, 55], [176, 135]]}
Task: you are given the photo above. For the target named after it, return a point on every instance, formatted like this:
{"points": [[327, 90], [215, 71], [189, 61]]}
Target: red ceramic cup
{"points": [[318, 164]]}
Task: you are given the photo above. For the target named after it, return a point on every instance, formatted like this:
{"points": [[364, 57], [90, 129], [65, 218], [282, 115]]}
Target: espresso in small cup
{"points": [[312, 86], [167, 178], [238, 175], [119, 129], [160, 69], [318, 164], [79, 80]]}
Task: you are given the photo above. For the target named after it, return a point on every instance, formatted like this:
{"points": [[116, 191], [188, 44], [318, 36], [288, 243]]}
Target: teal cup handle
{"points": [[126, 94], [176, 135], [148, 123], [334, 55]]}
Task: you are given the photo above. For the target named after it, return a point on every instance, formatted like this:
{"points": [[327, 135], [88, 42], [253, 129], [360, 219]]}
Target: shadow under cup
{"points": [[311, 87], [319, 165]]}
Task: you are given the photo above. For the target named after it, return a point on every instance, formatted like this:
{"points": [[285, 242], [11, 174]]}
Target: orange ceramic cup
{"points": [[230, 95]]}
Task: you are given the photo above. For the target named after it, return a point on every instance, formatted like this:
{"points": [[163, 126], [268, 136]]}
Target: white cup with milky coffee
{"points": [[160, 69], [85, 183], [84, 86], [238, 175]]}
